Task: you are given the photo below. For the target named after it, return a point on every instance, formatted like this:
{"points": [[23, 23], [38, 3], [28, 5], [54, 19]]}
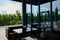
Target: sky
{"points": [[10, 7]]}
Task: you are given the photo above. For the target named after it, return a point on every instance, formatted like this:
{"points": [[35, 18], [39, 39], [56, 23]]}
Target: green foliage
{"points": [[19, 22], [13, 19], [12, 22], [10, 19], [18, 14]]}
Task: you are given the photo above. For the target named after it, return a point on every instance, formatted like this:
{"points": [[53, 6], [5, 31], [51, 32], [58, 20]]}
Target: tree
{"points": [[56, 11], [18, 14]]}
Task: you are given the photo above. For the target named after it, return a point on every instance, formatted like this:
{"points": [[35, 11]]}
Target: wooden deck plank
{"points": [[2, 33]]}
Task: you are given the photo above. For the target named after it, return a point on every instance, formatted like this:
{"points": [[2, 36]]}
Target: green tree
{"points": [[18, 14]]}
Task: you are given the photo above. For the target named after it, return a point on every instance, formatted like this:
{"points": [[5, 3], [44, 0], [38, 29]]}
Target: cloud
{"points": [[11, 8]]}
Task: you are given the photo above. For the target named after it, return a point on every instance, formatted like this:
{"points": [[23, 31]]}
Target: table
{"points": [[20, 33]]}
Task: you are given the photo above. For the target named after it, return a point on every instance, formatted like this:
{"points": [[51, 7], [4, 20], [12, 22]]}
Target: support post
{"points": [[51, 15], [24, 15], [24, 12], [31, 15], [39, 20]]}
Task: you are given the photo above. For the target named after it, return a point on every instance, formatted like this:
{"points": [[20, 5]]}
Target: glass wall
{"points": [[56, 14], [34, 14], [45, 15], [32, 18]]}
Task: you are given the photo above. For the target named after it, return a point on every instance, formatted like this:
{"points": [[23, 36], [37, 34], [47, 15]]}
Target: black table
{"points": [[20, 34]]}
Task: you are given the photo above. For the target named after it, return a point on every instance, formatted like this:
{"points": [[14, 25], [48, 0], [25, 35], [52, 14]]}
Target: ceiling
{"points": [[34, 2]]}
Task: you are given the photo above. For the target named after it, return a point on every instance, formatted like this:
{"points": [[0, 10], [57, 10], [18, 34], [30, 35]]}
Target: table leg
{"points": [[18, 37]]}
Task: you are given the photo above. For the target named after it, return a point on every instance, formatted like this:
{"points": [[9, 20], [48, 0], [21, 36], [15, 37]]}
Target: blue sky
{"points": [[7, 6], [10, 7], [2, 2]]}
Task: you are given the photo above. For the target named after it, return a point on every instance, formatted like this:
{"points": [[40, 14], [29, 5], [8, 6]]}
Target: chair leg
{"points": [[23, 39], [9, 38]]}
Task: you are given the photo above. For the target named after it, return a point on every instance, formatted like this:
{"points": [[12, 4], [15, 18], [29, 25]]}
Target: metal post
{"points": [[39, 20], [24, 12], [31, 15], [24, 15], [51, 15]]}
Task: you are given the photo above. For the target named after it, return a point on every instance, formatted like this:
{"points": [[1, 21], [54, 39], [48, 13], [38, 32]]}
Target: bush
{"points": [[19, 22], [1, 24], [10, 19], [12, 22]]}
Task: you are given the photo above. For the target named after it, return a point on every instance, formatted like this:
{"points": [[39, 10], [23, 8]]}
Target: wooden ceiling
{"points": [[34, 2]]}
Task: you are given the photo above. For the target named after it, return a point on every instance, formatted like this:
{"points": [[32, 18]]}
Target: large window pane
{"points": [[34, 13], [45, 15], [28, 13], [56, 14]]}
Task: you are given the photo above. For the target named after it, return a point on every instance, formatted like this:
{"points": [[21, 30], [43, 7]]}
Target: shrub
{"points": [[19, 22], [12, 22]]}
